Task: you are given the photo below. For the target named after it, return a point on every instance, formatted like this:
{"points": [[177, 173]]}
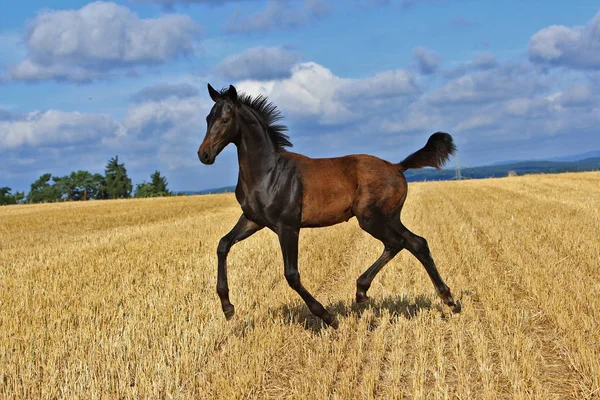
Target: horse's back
{"points": [[335, 189]]}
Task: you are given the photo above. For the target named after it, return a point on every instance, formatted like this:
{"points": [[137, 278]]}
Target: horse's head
{"points": [[221, 124]]}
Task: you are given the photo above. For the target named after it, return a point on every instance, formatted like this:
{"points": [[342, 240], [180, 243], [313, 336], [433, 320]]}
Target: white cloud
{"points": [[576, 95], [260, 63], [308, 93], [101, 37], [499, 83], [558, 45], [55, 128], [482, 61], [171, 118], [427, 60], [314, 92], [475, 122], [417, 117], [384, 84]]}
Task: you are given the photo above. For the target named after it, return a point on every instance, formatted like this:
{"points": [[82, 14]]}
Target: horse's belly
{"points": [[326, 208]]}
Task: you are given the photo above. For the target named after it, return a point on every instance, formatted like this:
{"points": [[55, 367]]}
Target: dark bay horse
{"points": [[285, 191]]}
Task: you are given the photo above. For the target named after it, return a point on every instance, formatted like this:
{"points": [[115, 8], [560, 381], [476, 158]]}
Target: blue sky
{"points": [[81, 82]]}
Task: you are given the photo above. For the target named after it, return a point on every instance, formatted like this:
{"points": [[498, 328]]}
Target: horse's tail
{"points": [[435, 154]]}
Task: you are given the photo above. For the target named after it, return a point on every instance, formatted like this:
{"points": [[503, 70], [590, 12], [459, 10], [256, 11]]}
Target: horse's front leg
{"points": [[242, 230], [288, 239]]}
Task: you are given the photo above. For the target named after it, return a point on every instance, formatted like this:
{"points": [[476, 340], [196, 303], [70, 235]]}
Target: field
{"points": [[116, 299]]}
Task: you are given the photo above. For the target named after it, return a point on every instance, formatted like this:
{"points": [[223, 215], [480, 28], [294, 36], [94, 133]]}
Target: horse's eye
{"points": [[225, 120]]}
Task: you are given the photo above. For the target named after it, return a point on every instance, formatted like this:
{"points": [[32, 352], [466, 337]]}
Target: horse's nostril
{"points": [[205, 156]]}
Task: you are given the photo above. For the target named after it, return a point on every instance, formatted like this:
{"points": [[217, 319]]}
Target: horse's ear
{"points": [[213, 94], [232, 93]]}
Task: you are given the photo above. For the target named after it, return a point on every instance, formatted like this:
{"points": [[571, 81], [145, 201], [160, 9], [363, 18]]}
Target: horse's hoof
{"points": [[361, 297], [229, 313], [456, 307], [334, 323]]}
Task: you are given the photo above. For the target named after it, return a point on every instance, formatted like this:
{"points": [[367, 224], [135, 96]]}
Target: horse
{"points": [[285, 191]]}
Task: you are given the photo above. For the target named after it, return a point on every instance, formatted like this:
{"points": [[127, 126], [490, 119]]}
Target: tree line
{"points": [[83, 185]]}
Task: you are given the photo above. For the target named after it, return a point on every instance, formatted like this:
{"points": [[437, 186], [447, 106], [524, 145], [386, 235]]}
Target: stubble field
{"points": [[116, 299]]}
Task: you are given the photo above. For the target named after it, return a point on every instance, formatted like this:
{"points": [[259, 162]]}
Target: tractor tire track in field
{"points": [[556, 371]]}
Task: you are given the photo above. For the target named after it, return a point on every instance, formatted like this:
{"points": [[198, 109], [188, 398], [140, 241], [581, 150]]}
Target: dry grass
{"points": [[117, 299]]}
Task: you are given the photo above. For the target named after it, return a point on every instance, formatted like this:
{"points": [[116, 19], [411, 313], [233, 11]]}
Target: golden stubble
{"points": [[116, 299]]}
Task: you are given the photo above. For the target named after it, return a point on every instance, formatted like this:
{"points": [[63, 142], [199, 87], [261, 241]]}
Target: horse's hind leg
{"points": [[396, 237], [382, 230], [363, 283], [419, 248]]}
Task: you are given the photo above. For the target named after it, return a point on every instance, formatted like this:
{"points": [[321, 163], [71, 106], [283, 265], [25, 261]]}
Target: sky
{"points": [[81, 82]]}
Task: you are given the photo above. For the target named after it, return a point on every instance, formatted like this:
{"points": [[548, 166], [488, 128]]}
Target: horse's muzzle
{"points": [[205, 158]]}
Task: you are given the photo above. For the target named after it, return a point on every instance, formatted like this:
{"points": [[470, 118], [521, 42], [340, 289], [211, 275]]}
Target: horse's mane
{"points": [[269, 114]]}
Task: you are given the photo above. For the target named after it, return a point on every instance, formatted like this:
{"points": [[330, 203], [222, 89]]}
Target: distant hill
{"points": [[488, 171], [496, 171], [225, 189]]}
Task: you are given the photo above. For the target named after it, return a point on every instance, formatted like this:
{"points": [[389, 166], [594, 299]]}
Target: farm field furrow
{"points": [[116, 299]]}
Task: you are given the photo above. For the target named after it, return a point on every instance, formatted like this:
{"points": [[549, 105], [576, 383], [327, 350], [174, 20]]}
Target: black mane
{"points": [[269, 114]]}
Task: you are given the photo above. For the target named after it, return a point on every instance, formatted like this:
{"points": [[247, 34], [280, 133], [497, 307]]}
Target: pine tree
{"points": [[159, 184], [156, 187], [118, 184]]}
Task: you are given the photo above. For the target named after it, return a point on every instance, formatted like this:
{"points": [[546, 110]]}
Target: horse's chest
{"points": [[253, 210], [269, 207]]}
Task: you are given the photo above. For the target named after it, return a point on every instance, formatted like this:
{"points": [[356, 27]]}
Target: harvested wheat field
{"points": [[116, 299]]}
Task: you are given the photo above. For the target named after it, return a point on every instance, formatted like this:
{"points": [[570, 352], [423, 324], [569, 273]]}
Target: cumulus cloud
{"points": [[577, 95], [498, 83], [427, 61], [277, 15], [384, 84], [168, 118], [54, 128], [164, 91], [416, 118], [260, 63], [170, 129], [482, 61], [314, 92], [576, 47], [85, 44], [308, 93]]}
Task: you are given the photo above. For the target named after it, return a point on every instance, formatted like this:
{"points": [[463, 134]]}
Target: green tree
{"points": [[159, 184], [42, 191], [99, 185], [65, 186], [156, 187], [80, 185], [118, 184], [144, 189], [84, 185], [19, 196], [6, 197]]}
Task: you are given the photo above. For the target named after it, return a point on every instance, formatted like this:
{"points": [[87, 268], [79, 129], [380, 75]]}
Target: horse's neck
{"points": [[257, 156]]}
